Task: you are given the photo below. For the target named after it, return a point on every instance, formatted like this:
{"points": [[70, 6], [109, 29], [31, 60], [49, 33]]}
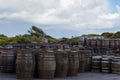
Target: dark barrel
{"points": [[117, 44], [61, 63], [99, 43], [116, 65], [105, 43], [88, 42], [116, 53], [25, 64], [118, 41], [46, 64], [106, 64], [96, 63], [7, 61], [112, 44], [73, 62], [93, 43], [82, 61], [110, 52], [35, 53], [0, 59], [88, 56]]}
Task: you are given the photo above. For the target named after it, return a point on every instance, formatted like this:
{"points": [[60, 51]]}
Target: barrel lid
{"points": [[60, 50], [51, 51], [74, 51], [96, 57], [106, 56], [117, 57]]}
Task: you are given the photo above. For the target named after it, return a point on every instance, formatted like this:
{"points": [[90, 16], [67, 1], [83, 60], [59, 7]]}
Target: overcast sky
{"points": [[59, 18]]}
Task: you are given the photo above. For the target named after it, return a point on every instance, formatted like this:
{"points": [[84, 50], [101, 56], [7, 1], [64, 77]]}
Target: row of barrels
{"points": [[44, 64], [106, 64], [105, 43], [104, 51]]}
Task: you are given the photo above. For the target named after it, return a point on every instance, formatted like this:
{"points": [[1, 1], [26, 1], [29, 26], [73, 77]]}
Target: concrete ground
{"points": [[80, 76]]}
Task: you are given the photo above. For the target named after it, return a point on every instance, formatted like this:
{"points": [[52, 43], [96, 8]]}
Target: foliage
{"points": [[21, 39], [90, 35], [3, 39], [108, 35], [35, 35], [51, 39], [111, 35], [117, 34], [36, 31]]}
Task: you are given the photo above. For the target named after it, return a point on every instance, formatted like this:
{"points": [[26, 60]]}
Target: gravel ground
{"points": [[80, 76]]}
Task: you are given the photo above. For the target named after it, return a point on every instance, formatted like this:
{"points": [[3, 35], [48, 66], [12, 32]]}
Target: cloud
{"points": [[110, 16], [66, 14]]}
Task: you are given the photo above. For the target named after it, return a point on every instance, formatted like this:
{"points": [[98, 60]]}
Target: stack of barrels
{"points": [[40, 63], [103, 43], [116, 65], [85, 60], [106, 64], [48, 63], [7, 61], [96, 63]]}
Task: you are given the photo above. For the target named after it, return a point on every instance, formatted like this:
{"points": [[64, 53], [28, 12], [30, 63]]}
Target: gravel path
{"points": [[80, 76]]}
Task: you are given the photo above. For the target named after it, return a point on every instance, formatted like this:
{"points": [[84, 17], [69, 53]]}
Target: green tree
{"points": [[4, 39], [117, 34], [37, 35], [36, 31], [107, 35], [21, 39], [90, 35], [51, 39]]}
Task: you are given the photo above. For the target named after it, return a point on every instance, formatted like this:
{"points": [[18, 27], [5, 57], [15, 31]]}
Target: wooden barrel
{"points": [[88, 42], [116, 53], [116, 65], [0, 60], [99, 51], [106, 64], [46, 64], [99, 43], [35, 53], [105, 43], [82, 61], [93, 43], [116, 44], [73, 63], [102, 51], [110, 52], [88, 56], [7, 61], [112, 44], [85, 60], [61, 63], [25, 64], [96, 63]]}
